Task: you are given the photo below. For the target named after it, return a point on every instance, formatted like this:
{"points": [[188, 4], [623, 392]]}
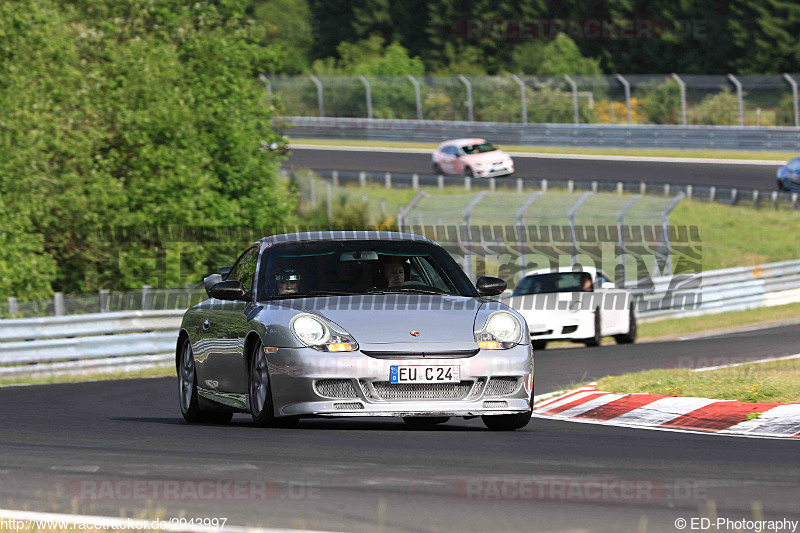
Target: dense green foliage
{"points": [[128, 114]]}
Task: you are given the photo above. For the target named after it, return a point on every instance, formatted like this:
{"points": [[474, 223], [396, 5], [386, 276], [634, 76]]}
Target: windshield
{"points": [[478, 148], [323, 268], [558, 282]]}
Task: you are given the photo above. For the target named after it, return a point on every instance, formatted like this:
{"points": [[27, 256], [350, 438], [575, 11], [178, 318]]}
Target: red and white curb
{"points": [[587, 404]]}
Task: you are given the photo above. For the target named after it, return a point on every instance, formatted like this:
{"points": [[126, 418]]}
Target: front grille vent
{"points": [[348, 406], [335, 388], [502, 386], [495, 405], [422, 391]]}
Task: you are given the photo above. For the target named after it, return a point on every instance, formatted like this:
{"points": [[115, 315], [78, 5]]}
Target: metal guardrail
{"points": [[141, 339], [785, 139]]}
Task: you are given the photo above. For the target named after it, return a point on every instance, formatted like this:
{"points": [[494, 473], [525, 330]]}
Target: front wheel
{"points": [[507, 422], [437, 169], [595, 341], [261, 407], [468, 172]]}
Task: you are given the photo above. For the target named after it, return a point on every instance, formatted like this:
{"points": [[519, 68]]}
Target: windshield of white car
{"points": [[478, 148], [355, 267], [554, 282]]}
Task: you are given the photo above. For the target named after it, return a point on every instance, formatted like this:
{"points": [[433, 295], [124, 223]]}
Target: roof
{"points": [[344, 236], [463, 142], [580, 268]]}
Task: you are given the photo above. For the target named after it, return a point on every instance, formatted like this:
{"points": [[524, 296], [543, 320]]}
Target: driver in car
{"points": [[288, 281], [395, 272]]}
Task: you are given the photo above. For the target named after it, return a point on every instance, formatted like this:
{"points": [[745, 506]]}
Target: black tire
{"points": [[425, 422], [633, 328], [781, 186], [507, 422], [261, 407], [437, 169], [468, 172], [597, 339], [187, 391], [539, 345]]}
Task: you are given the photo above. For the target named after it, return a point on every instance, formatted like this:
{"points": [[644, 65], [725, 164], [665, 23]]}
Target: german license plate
{"points": [[424, 374]]}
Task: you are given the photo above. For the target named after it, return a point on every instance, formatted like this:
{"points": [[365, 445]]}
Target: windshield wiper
{"points": [[418, 291], [312, 294]]}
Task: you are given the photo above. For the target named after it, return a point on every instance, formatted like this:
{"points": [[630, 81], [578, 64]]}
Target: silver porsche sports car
{"points": [[353, 324]]}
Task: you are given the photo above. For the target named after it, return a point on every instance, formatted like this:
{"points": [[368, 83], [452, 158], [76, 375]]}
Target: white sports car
{"points": [[574, 304]]}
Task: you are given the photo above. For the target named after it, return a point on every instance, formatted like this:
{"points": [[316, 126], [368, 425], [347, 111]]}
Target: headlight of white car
{"points": [[316, 333], [501, 331]]}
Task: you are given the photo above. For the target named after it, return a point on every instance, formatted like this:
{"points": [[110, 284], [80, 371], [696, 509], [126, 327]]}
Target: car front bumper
{"points": [[296, 376], [494, 172], [560, 325]]}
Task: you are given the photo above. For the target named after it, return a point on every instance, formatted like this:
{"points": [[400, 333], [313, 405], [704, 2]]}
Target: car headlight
{"points": [[315, 333], [575, 306], [501, 331]]}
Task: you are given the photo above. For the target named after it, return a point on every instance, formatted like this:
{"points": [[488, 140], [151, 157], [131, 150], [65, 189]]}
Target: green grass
{"points": [[700, 154], [776, 381], [153, 372], [677, 327]]}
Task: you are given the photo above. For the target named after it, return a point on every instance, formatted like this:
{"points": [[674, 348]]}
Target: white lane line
{"points": [[537, 155], [732, 331], [759, 361], [780, 421], [125, 523], [76, 468], [591, 404], [663, 410]]}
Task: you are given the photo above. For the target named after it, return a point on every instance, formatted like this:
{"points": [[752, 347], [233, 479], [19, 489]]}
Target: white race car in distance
{"points": [[578, 304]]}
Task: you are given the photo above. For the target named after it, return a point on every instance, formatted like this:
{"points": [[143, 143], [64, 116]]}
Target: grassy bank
{"points": [[697, 154], [776, 381], [154, 372]]}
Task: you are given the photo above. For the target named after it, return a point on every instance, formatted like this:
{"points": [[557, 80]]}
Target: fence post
{"points": [[734, 196], [755, 199], [335, 178], [712, 194], [521, 226], [738, 86], [621, 233], [468, 85], [572, 211], [620, 187], [492, 184], [689, 192], [665, 227], [775, 199], [574, 86], [417, 96], [440, 181], [267, 82], [666, 189], [594, 186], [13, 308], [794, 200], [401, 216], [544, 185], [627, 87], [368, 91], [467, 183], [415, 181], [683, 97], [147, 300], [58, 304], [793, 84], [329, 201], [362, 179], [570, 186], [320, 100], [105, 301], [468, 233], [642, 188], [519, 184], [387, 178], [522, 98]]}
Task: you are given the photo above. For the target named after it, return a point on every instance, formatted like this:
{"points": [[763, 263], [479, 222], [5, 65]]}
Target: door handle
{"points": [[206, 325]]}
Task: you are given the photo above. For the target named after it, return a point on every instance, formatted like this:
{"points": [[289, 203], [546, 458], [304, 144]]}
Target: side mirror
{"points": [[489, 286], [210, 281], [231, 289]]}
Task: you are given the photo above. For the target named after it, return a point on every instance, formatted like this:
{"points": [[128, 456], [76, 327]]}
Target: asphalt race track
{"points": [[61, 443], [720, 175]]}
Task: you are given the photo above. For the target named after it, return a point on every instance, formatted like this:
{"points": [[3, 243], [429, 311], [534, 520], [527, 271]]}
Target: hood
{"points": [[443, 322]]}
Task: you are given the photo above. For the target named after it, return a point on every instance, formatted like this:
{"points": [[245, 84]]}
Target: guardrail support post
{"points": [[58, 304], [627, 87], [362, 179], [417, 95], [755, 199], [666, 189], [468, 85], [594, 186], [519, 184], [313, 191], [467, 183], [620, 187], [329, 201], [368, 91], [793, 84], [734, 196], [147, 298], [492, 184], [576, 113], [712, 194], [570, 186], [13, 308], [794, 200], [320, 99], [689, 192], [683, 97], [387, 178], [335, 178], [440, 182], [544, 185], [642, 188], [415, 181], [775, 199], [739, 97], [105, 301], [522, 98]]}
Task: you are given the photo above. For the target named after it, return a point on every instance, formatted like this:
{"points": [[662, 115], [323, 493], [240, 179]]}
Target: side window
{"points": [[601, 279], [245, 268]]}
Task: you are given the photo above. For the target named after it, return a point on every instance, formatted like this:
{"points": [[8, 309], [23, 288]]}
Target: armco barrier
{"points": [[582, 135], [139, 339]]}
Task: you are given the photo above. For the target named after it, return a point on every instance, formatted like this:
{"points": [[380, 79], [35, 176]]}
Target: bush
{"points": [[662, 104], [721, 109]]}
